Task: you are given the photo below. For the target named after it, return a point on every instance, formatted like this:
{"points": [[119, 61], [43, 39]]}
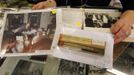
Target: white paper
{"points": [[71, 17], [105, 61]]}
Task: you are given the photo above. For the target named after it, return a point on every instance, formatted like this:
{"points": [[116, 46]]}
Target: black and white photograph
{"points": [[125, 62], [28, 32], [28, 68], [72, 68], [99, 20], [24, 65]]}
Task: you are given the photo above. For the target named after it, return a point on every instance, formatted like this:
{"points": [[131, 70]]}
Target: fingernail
{"points": [[114, 42]]}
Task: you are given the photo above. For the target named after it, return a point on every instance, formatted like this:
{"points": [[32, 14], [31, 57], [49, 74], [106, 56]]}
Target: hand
{"points": [[44, 4], [122, 28]]}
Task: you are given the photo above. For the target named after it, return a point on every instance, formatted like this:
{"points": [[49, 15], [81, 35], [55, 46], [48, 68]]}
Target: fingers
{"points": [[116, 27], [38, 6], [121, 31], [45, 4]]}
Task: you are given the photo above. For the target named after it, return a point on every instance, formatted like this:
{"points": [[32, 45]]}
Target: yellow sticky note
{"points": [[78, 24], [54, 11]]}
